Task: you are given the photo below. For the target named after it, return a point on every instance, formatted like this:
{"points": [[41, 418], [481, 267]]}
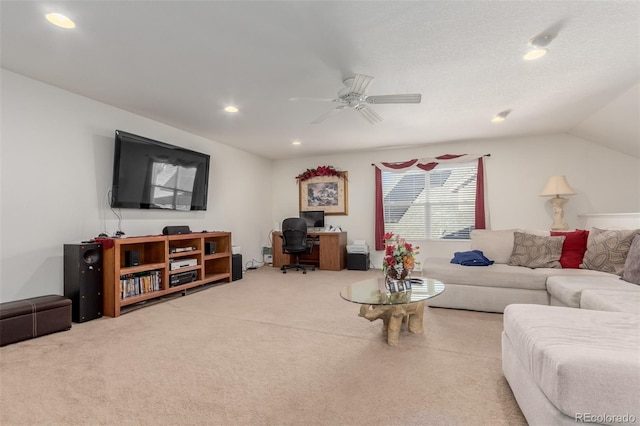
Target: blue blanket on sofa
{"points": [[471, 258]]}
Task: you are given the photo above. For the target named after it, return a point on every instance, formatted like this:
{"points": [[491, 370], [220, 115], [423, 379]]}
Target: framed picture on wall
{"points": [[326, 193]]}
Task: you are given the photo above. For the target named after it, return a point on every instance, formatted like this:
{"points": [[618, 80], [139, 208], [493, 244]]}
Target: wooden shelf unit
{"points": [[156, 254]]}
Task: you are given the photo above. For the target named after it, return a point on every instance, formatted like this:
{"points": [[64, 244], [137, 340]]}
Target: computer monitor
{"points": [[314, 218]]}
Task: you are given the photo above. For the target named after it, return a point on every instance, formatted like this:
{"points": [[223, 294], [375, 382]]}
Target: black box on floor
{"points": [[358, 261], [236, 267]]}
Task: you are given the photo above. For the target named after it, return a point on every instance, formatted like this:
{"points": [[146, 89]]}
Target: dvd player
{"points": [[181, 249], [182, 263]]}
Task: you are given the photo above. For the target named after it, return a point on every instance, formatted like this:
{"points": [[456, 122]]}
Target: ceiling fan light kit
{"points": [[354, 95]]}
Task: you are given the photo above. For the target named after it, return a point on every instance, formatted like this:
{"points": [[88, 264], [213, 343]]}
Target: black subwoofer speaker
{"points": [[83, 280], [236, 267]]}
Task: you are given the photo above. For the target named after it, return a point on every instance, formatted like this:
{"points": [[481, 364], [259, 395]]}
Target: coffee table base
{"points": [[393, 316]]}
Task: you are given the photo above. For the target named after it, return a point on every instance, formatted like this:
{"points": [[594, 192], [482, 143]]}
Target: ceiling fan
{"points": [[354, 95]]}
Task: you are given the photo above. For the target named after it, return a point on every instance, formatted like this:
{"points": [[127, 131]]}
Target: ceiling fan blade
{"points": [[329, 114], [312, 99], [371, 116], [360, 84], [395, 99]]}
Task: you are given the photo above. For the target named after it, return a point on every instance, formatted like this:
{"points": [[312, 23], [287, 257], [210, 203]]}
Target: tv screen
{"points": [[149, 174], [314, 218]]}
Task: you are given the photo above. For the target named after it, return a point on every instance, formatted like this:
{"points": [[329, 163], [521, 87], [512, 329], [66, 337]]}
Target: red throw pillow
{"points": [[574, 247]]}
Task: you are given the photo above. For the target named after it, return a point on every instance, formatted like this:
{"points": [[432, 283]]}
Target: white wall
{"points": [[56, 169], [606, 182], [616, 124]]}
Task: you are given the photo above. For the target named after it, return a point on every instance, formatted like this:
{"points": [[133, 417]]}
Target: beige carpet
{"points": [[270, 349]]}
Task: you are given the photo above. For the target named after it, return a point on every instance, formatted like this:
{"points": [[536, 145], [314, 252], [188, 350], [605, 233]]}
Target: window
{"points": [[438, 204], [172, 185]]}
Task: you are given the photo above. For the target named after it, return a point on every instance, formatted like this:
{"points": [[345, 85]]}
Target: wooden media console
{"points": [[150, 277]]}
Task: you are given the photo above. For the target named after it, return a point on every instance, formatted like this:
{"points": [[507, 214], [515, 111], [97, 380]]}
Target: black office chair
{"points": [[295, 242]]}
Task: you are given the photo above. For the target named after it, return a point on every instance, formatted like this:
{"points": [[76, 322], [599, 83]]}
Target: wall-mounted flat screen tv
{"points": [[148, 174]]}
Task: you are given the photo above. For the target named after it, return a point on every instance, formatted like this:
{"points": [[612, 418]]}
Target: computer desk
{"points": [[330, 253]]}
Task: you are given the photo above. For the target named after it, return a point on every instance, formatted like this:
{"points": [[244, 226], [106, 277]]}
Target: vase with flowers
{"points": [[398, 262]]}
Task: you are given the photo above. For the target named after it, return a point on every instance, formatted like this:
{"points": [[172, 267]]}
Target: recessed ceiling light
{"points": [[538, 46], [534, 54], [60, 20], [231, 109], [501, 116], [296, 143]]}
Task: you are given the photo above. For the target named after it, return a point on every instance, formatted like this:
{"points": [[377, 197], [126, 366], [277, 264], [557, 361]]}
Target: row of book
{"points": [[136, 284]]}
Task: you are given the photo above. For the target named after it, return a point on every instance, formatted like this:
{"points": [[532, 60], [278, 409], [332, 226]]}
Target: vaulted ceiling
{"points": [[182, 62]]}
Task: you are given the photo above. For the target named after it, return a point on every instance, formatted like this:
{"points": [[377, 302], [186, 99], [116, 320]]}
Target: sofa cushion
{"points": [[611, 300], [496, 275], [496, 245], [534, 251], [631, 272], [584, 361], [607, 249], [567, 288], [574, 247]]}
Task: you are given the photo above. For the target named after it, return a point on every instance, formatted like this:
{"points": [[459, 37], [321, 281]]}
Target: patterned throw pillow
{"points": [[607, 249], [534, 251], [632, 264]]}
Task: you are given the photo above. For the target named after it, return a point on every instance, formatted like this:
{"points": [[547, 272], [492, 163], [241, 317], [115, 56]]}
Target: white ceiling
{"points": [[181, 62]]}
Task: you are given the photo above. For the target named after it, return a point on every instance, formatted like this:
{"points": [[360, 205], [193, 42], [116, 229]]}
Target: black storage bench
{"points": [[37, 316]]}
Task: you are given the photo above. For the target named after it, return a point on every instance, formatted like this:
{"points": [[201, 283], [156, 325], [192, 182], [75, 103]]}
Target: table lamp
{"points": [[557, 186]]}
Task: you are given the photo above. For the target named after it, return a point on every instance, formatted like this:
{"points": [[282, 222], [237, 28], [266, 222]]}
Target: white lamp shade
{"points": [[557, 185]]}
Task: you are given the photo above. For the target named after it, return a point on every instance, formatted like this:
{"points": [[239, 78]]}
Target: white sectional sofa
{"points": [[567, 365], [571, 339], [492, 288]]}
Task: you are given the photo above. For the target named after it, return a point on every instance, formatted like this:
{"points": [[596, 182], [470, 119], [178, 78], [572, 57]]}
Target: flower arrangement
{"points": [[399, 256], [319, 171]]}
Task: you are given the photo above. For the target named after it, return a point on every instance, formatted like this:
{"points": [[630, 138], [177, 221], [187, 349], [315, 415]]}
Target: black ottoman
{"points": [[37, 316]]}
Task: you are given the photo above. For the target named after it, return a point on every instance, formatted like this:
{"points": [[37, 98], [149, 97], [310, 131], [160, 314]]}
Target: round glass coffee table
{"points": [[393, 308]]}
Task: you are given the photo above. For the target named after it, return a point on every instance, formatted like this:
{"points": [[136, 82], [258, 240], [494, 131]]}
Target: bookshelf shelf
{"points": [[192, 253], [146, 296], [214, 256], [142, 268], [155, 253]]}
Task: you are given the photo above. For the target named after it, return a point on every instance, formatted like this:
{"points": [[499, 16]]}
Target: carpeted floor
{"points": [[270, 349]]}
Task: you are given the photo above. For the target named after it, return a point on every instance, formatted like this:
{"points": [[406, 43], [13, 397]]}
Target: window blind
{"points": [[438, 204]]}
